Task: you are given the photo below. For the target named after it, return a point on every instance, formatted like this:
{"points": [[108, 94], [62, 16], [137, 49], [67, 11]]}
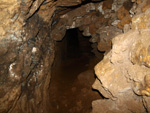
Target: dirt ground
{"points": [[71, 87]]}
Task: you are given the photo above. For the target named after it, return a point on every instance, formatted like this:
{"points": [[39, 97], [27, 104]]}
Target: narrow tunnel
{"points": [[53, 52], [73, 74]]}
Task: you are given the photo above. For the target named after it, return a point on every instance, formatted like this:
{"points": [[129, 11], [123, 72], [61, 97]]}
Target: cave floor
{"points": [[71, 85]]}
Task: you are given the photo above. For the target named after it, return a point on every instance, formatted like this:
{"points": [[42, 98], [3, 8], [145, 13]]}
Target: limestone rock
{"points": [[125, 71], [128, 105], [141, 21]]}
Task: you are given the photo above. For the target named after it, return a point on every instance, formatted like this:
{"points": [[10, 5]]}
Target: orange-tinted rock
{"points": [[107, 4], [122, 13], [139, 1], [126, 20]]}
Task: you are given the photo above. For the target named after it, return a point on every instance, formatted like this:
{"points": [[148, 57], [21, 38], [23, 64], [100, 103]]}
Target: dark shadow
{"points": [[102, 97], [83, 3], [73, 74]]}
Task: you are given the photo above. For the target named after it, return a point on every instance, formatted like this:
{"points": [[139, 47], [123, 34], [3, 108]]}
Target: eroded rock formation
{"points": [[29, 29], [26, 55], [123, 74]]}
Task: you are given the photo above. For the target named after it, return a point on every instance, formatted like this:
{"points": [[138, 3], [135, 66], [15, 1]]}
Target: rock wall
{"points": [[123, 74], [27, 32], [93, 19], [26, 55]]}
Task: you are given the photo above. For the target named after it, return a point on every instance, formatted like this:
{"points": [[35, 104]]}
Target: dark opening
{"points": [[73, 75]]}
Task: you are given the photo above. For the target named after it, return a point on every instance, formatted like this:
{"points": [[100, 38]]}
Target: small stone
{"points": [[126, 28]]}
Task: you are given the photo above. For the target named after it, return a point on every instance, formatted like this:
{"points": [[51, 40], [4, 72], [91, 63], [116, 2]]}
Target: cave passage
{"points": [[73, 75]]}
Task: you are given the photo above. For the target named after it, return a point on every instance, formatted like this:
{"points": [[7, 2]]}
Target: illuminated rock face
{"points": [[123, 74], [28, 29]]}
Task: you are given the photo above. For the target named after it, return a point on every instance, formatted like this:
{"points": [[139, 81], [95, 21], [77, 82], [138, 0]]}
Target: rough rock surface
{"points": [[123, 75], [27, 51], [94, 19]]}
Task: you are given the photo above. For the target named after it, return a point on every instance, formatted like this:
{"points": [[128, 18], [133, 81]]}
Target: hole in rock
{"points": [[73, 75]]}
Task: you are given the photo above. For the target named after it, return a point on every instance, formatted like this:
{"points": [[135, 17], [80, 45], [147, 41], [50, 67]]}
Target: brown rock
{"points": [[92, 29], [141, 21], [116, 81], [110, 106], [44, 12], [122, 13], [124, 21], [107, 4], [68, 2], [146, 6], [146, 102], [27, 53], [106, 36]]}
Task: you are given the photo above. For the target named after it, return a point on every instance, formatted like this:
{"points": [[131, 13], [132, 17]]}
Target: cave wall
{"points": [[28, 32], [26, 55], [123, 75]]}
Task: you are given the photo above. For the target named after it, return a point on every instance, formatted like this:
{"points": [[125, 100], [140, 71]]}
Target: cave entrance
{"points": [[73, 74]]}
